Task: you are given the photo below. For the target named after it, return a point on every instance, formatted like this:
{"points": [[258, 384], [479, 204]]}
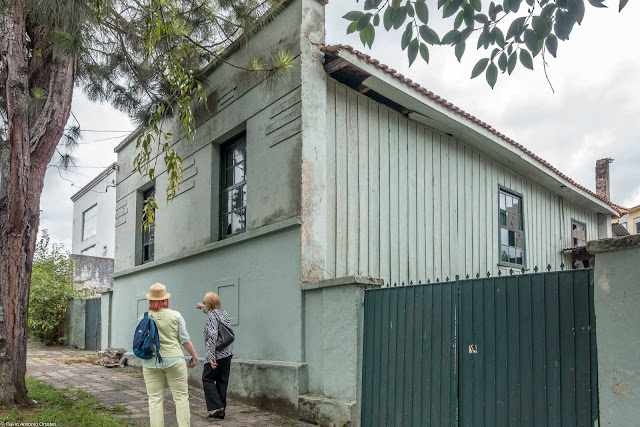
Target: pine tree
{"points": [[144, 57]]}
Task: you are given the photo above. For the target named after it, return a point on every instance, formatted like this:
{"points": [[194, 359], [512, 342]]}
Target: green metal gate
{"points": [[516, 350], [93, 324]]}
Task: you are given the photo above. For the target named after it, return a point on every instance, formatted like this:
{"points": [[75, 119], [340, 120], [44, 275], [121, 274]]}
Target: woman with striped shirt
{"points": [[215, 376]]}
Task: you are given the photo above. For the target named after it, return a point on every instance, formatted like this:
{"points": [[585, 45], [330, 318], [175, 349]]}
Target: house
{"points": [[630, 220], [92, 252], [298, 193], [93, 233]]}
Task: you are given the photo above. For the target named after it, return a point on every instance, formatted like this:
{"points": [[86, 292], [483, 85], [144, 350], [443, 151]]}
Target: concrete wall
{"points": [[75, 323], [93, 272], [103, 196], [267, 110], [405, 202], [617, 299]]}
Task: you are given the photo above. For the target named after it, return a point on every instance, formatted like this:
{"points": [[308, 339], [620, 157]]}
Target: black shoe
{"points": [[218, 414]]}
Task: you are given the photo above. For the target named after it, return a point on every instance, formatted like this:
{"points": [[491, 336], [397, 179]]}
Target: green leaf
{"points": [[530, 39], [422, 11], [492, 75], [424, 52], [450, 37], [575, 8], [479, 67], [451, 7], [399, 16], [352, 28], [469, 14], [364, 21], [458, 20], [459, 50], [406, 37], [413, 50], [354, 15], [387, 19], [481, 18], [541, 26], [563, 25], [410, 11], [515, 27], [368, 35], [429, 36], [511, 63], [552, 45], [396, 3], [502, 62], [623, 3], [476, 4], [514, 5], [376, 20], [597, 3], [525, 59]]}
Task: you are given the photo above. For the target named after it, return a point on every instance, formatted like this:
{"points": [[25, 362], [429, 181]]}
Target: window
{"points": [[90, 251], [637, 222], [233, 194], [511, 229], [578, 233], [148, 233], [89, 222], [624, 224], [104, 251]]}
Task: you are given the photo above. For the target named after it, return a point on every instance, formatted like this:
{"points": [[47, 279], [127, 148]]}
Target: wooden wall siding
{"points": [[408, 203]]}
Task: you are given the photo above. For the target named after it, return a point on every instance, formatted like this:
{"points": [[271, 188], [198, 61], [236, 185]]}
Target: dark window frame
{"points": [[239, 141], [582, 224], [521, 231], [95, 222], [147, 249], [636, 222]]}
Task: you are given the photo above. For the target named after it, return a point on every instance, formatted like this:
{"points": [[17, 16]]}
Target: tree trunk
{"points": [[24, 157]]}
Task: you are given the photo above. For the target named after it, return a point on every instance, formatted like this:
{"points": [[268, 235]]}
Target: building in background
{"points": [[92, 252], [630, 221]]}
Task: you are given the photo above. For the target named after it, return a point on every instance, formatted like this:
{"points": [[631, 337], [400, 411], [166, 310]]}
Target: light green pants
{"points": [[156, 380]]}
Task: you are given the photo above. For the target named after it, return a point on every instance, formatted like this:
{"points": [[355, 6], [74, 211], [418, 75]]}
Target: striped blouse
{"points": [[211, 334]]}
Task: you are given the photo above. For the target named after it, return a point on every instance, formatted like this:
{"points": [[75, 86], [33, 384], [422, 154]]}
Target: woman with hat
{"points": [[172, 331]]}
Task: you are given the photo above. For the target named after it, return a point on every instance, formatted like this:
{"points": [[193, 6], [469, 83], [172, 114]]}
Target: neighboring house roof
{"points": [[95, 181], [453, 108], [619, 231]]}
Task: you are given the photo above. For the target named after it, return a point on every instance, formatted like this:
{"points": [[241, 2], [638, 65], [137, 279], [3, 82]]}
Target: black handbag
{"points": [[226, 337]]}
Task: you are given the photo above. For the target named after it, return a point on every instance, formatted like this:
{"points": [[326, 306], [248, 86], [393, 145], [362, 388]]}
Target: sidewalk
{"points": [[64, 367]]}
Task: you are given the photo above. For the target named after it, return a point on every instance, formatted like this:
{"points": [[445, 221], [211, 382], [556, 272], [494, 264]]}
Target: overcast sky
{"points": [[593, 114]]}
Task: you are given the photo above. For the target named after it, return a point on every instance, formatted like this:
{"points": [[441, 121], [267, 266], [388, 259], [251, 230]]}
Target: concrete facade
{"points": [[95, 273], [98, 199], [616, 297], [298, 323]]}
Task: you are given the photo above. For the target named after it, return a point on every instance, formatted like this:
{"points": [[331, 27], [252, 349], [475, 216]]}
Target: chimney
{"points": [[602, 178]]}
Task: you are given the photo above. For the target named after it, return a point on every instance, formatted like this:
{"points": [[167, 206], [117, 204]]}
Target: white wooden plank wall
{"points": [[408, 203]]}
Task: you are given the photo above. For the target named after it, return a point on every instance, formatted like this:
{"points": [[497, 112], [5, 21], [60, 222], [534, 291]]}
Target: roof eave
{"points": [[435, 115], [101, 176]]}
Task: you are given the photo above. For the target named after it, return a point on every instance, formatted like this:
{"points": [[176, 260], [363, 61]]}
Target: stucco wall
{"points": [[103, 196], [617, 302], [405, 202], [268, 110], [93, 272]]}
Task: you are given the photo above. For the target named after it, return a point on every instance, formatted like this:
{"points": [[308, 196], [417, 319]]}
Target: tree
{"points": [[514, 30], [146, 58], [52, 285]]}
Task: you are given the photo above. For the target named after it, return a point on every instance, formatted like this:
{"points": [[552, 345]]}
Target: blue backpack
{"points": [[146, 339]]}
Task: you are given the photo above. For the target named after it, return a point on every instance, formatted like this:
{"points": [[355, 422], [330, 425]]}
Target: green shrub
{"points": [[51, 289]]}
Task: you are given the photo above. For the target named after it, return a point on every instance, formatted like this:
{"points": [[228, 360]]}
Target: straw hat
{"points": [[158, 292]]}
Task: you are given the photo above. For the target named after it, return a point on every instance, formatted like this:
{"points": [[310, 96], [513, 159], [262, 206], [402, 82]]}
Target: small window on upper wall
{"points": [[89, 222], [511, 229], [637, 222], [149, 232], [233, 188], [624, 224], [578, 233]]}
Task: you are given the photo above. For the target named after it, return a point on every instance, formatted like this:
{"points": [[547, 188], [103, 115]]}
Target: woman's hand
{"points": [[199, 305], [193, 362], [214, 363]]}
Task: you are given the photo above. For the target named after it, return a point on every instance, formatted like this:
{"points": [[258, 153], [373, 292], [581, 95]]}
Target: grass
{"points": [[63, 407]]}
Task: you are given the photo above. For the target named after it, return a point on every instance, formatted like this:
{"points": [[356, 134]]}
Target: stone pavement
{"points": [[64, 367]]}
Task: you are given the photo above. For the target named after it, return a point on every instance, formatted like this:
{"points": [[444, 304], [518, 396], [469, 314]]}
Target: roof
{"points": [[95, 181], [472, 119], [619, 231]]}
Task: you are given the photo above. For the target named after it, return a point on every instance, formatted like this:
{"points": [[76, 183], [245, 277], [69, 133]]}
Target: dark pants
{"points": [[215, 383]]}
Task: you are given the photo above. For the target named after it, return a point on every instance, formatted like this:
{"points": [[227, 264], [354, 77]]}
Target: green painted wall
{"points": [[265, 272]]}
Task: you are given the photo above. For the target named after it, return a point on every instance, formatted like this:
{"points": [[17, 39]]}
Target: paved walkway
{"points": [[124, 388]]}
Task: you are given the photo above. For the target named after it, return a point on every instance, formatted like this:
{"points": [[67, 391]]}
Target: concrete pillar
{"points": [[616, 298], [333, 341], [105, 319]]}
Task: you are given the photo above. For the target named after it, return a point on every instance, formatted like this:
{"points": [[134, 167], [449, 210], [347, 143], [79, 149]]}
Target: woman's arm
{"points": [[201, 306], [192, 351]]}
